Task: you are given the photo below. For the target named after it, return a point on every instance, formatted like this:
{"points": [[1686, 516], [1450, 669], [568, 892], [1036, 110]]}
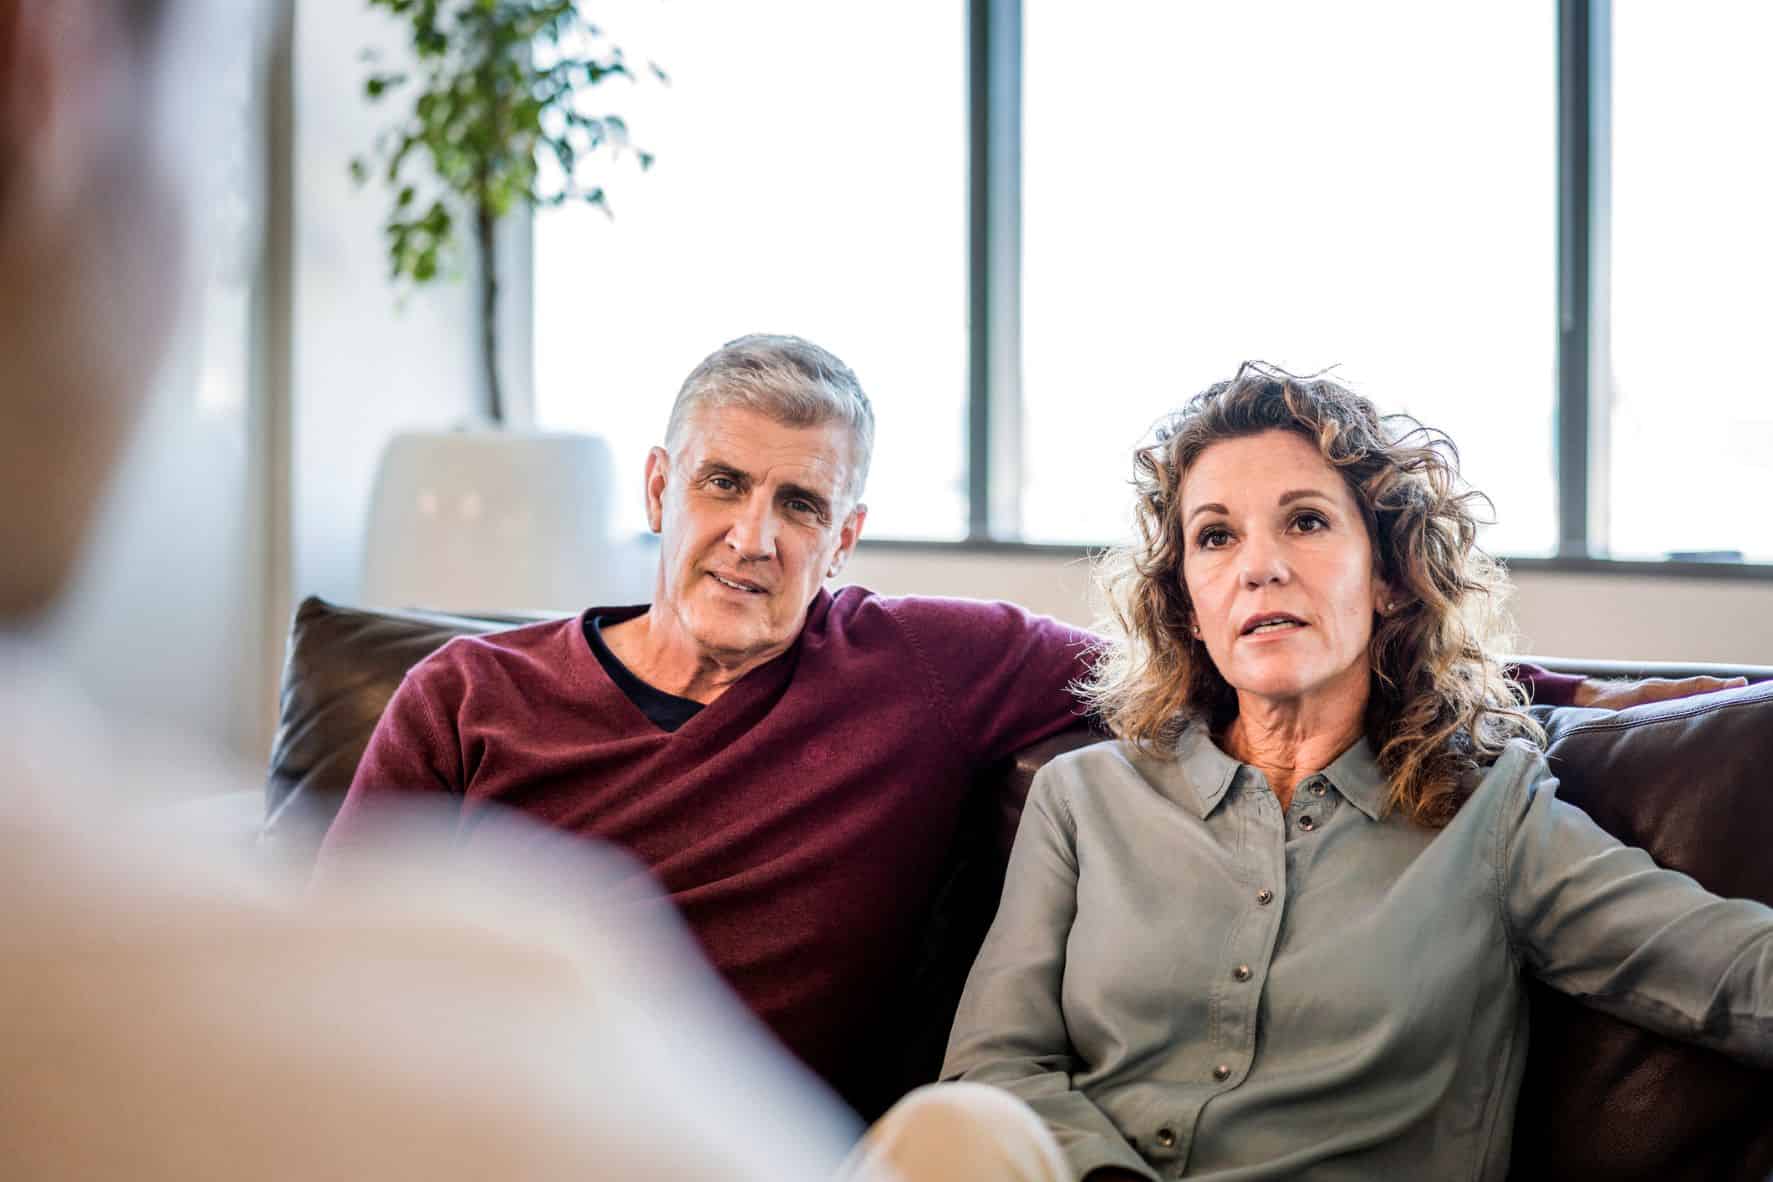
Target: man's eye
{"points": [[800, 506], [723, 483]]}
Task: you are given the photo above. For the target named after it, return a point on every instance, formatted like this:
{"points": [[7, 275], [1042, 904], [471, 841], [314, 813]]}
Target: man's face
{"points": [[754, 516]]}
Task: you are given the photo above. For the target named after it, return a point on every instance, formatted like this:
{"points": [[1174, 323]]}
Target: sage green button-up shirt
{"points": [[1184, 980]]}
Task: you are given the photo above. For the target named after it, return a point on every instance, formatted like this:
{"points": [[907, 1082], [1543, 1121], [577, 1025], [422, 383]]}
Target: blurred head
{"points": [[756, 493], [91, 268], [1292, 542]]}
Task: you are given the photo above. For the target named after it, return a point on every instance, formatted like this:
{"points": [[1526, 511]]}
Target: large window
{"points": [[1035, 227], [811, 179], [1370, 186], [1691, 441]]}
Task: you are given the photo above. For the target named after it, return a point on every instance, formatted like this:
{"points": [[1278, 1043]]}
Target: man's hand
{"points": [[1617, 695]]}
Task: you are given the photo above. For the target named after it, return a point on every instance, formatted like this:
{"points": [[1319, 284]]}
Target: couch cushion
{"points": [[343, 666], [1692, 782]]}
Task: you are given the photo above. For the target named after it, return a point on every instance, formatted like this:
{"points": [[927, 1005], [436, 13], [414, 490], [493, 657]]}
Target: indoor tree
{"points": [[499, 91]]}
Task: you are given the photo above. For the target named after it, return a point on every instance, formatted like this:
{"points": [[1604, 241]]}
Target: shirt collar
{"points": [[1356, 775], [1209, 772]]}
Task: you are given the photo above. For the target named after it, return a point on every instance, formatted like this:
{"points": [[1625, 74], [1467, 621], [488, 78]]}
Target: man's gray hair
{"points": [[790, 380]]}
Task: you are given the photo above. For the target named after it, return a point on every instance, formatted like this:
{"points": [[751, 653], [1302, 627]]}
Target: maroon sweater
{"points": [[799, 821]]}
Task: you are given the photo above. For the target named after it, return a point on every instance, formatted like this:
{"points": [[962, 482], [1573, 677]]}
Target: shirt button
{"points": [[1264, 896], [1222, 1072], [1308, 822], [1166, 1137], [1317, 788], [1241, 972]]}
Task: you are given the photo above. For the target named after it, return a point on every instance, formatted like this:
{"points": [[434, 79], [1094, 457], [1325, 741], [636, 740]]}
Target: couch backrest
{"points": [[1687, 780]]}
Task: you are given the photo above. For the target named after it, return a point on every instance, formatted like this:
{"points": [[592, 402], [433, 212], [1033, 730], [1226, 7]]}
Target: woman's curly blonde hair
{"points": [[1441, 705]]}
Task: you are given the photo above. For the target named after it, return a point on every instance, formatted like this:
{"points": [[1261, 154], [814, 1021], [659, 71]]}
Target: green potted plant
{"points": [[497, 117]]}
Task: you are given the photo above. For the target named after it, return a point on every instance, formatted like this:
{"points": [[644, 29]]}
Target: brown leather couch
{"points": [[1691, 781]]}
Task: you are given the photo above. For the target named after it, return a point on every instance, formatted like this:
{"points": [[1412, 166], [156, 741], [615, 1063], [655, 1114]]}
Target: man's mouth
{"points": [[1269, 622], [737, 584]]}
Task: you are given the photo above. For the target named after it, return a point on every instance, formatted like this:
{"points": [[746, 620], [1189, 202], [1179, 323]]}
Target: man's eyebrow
{"points": [[712, 467]]}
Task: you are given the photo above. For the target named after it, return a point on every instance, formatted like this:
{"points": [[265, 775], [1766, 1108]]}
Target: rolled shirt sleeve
{"points": [[1600, 921], [1010, 1028]]}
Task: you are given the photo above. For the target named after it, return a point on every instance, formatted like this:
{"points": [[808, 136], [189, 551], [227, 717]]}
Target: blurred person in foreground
{"points": [[1281, 926], [791, 762], [163, 1013]]}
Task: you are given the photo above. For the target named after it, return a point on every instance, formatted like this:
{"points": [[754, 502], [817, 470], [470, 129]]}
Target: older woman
{"points": [[1279, 928]]}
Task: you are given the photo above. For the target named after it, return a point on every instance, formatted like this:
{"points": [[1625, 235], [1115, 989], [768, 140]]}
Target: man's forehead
{"points": [[766, 449]]}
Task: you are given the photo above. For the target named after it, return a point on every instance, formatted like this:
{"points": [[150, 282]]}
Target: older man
{"points": [[789, 762]]}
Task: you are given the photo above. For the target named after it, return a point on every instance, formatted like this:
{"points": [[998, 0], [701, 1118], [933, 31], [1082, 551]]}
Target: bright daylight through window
{"points": [[810, 179], [1371, 187], [1691, 446], [1224, 187]]}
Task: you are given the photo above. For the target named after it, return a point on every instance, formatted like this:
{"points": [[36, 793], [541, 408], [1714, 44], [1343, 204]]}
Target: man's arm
{"points": [[1573, 689], [413, 755], [1003, 675]]}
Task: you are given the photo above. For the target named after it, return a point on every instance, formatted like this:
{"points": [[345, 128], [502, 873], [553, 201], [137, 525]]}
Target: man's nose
{"points": [[752, 535]]}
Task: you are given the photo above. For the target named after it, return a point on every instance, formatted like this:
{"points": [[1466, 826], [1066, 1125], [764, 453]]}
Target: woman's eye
{"points": [[1310, 523], [1213, 537]]}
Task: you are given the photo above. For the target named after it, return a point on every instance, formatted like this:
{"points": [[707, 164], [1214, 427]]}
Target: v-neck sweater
{"points": [[799, 821]]}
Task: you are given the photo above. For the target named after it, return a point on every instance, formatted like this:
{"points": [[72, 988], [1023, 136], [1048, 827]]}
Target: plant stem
{"points": [[484, 226]]}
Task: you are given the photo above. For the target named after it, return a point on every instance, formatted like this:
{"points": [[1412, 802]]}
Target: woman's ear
{"points": [[1386, 600]]}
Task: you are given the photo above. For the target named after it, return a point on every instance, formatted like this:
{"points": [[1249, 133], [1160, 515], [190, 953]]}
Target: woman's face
{"points": [[1280, 569]]}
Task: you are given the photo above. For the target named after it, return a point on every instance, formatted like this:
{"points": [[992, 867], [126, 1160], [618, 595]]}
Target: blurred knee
{"points": [[964, 1130]]}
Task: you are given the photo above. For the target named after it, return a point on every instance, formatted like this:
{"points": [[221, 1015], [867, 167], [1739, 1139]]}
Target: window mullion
{"points": [[994, 341], [1584, 136]]}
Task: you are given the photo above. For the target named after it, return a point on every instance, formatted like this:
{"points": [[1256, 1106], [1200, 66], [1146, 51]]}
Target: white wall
{"points": [[366, 362], [1599, 616], [164, 624], [165, 627]]}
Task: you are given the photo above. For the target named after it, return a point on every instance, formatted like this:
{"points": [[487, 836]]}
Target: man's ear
{"points": [[658, 474], [847, 537]]}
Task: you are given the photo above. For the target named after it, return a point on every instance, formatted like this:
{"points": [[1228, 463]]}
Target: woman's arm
{"points": [[1600, 921], [1010, 1028]]}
